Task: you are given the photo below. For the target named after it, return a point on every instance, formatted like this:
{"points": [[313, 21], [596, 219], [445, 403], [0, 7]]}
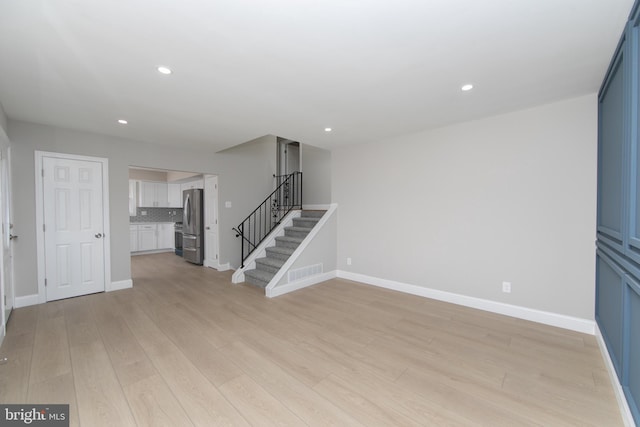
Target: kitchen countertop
{"points": [[152, 222]]}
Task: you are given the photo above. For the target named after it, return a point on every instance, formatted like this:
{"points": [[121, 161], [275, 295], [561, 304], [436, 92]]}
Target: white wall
{"points": [[245, 178], [463, 208]]}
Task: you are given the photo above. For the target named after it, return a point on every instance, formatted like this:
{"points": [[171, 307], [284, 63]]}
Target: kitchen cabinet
{"points": [[147, 237], [174, 192], [153, 194], [198, 183], [166, 236], [133, 197], [133, 238], [152, 237]]}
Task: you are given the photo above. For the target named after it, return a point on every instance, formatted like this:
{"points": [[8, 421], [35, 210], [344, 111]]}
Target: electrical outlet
{"points": [[143, 213], [348, 261], [227, 204], [506, 287]]}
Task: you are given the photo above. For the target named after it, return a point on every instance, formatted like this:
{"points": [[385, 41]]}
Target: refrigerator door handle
{"points": [[187, 211]]}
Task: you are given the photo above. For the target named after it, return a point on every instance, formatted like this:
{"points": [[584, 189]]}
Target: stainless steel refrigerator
{"points": [[193, 226]]}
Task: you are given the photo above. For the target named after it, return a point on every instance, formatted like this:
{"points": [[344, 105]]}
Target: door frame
{"points": [[208, 205], [40, 250], [5, 154]]}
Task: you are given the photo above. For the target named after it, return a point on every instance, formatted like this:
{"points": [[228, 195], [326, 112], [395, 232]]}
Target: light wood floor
{"points": [[185, 347]]}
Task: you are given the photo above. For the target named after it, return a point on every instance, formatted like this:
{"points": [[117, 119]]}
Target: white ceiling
{"points": [[370, 69]]}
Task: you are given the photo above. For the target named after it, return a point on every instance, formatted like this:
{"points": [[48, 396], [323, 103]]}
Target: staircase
{"points": [[285, 245]]}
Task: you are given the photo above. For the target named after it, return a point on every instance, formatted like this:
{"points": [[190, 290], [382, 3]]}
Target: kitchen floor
{"points": [[186, 347]]}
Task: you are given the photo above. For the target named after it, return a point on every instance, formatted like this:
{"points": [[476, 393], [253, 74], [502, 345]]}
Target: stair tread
{"points": [[312, 213], [290, 239], [281, 250], [273, 262], [260, 275], [307, 218], [297, 228]]}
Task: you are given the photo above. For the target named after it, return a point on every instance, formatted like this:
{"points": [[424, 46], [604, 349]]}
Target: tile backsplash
{"points": [[157, 215]]}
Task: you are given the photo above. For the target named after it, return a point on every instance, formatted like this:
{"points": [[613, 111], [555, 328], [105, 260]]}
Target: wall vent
{"points": [[301, 273]]}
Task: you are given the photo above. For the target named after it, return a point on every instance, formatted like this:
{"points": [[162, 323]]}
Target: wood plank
{"points": [[308, 405], [200, 399], [101, 400], [186, 347], [256, 405], [56, 390]]}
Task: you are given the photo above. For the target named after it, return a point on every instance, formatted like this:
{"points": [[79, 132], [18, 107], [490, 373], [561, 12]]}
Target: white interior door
{"points": [[7, 237], [73, 227], [211, 255]]}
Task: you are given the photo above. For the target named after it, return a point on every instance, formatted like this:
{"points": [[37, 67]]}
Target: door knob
{"points": [[99, 235], [12, 236], [208, 228]]}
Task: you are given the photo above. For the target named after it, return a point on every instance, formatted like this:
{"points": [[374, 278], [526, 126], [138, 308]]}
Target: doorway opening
{"points": [[288, 157], [157, 214]]}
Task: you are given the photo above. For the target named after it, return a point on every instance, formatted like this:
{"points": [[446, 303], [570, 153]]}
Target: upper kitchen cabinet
{"points": [[153, 194], [198, 183], [175, 195], [133, 197]]}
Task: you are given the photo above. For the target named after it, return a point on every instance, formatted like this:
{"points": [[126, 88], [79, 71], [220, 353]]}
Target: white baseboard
{"points": [[299, 284], [121, 284], [26, 301], [2, 333], [553, 319], [216, 266], [224, 267], [155, 251], [625, 412]]}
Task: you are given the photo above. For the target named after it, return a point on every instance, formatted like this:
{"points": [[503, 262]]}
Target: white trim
{"points": [[299, 284], [2, 333], [301, 247], [625, 412], [40, 253], [120, 284], [154, 251], [554, 319], [224, 267], [261, 250], [26, 301]]}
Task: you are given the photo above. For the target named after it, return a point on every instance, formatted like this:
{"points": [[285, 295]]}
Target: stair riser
{"points": [[302, 222], [312, 214], [277, 255], [285, 244], [255, 282], [265, 267], [296, 234]]}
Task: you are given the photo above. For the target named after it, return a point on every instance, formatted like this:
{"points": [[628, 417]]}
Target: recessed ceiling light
{"points": [[467, 87], [164, 70], [122, 121], [328, 129]]}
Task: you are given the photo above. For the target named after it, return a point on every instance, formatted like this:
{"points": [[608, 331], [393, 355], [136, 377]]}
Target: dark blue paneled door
{"points": [[611, 148], [618, 256], [609, 305], [632, 388]]}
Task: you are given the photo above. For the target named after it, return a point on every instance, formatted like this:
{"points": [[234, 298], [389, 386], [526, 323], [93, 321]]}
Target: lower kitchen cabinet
{"points": [[152, 237], [147, 237], [166, 236], [133, 238]]}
